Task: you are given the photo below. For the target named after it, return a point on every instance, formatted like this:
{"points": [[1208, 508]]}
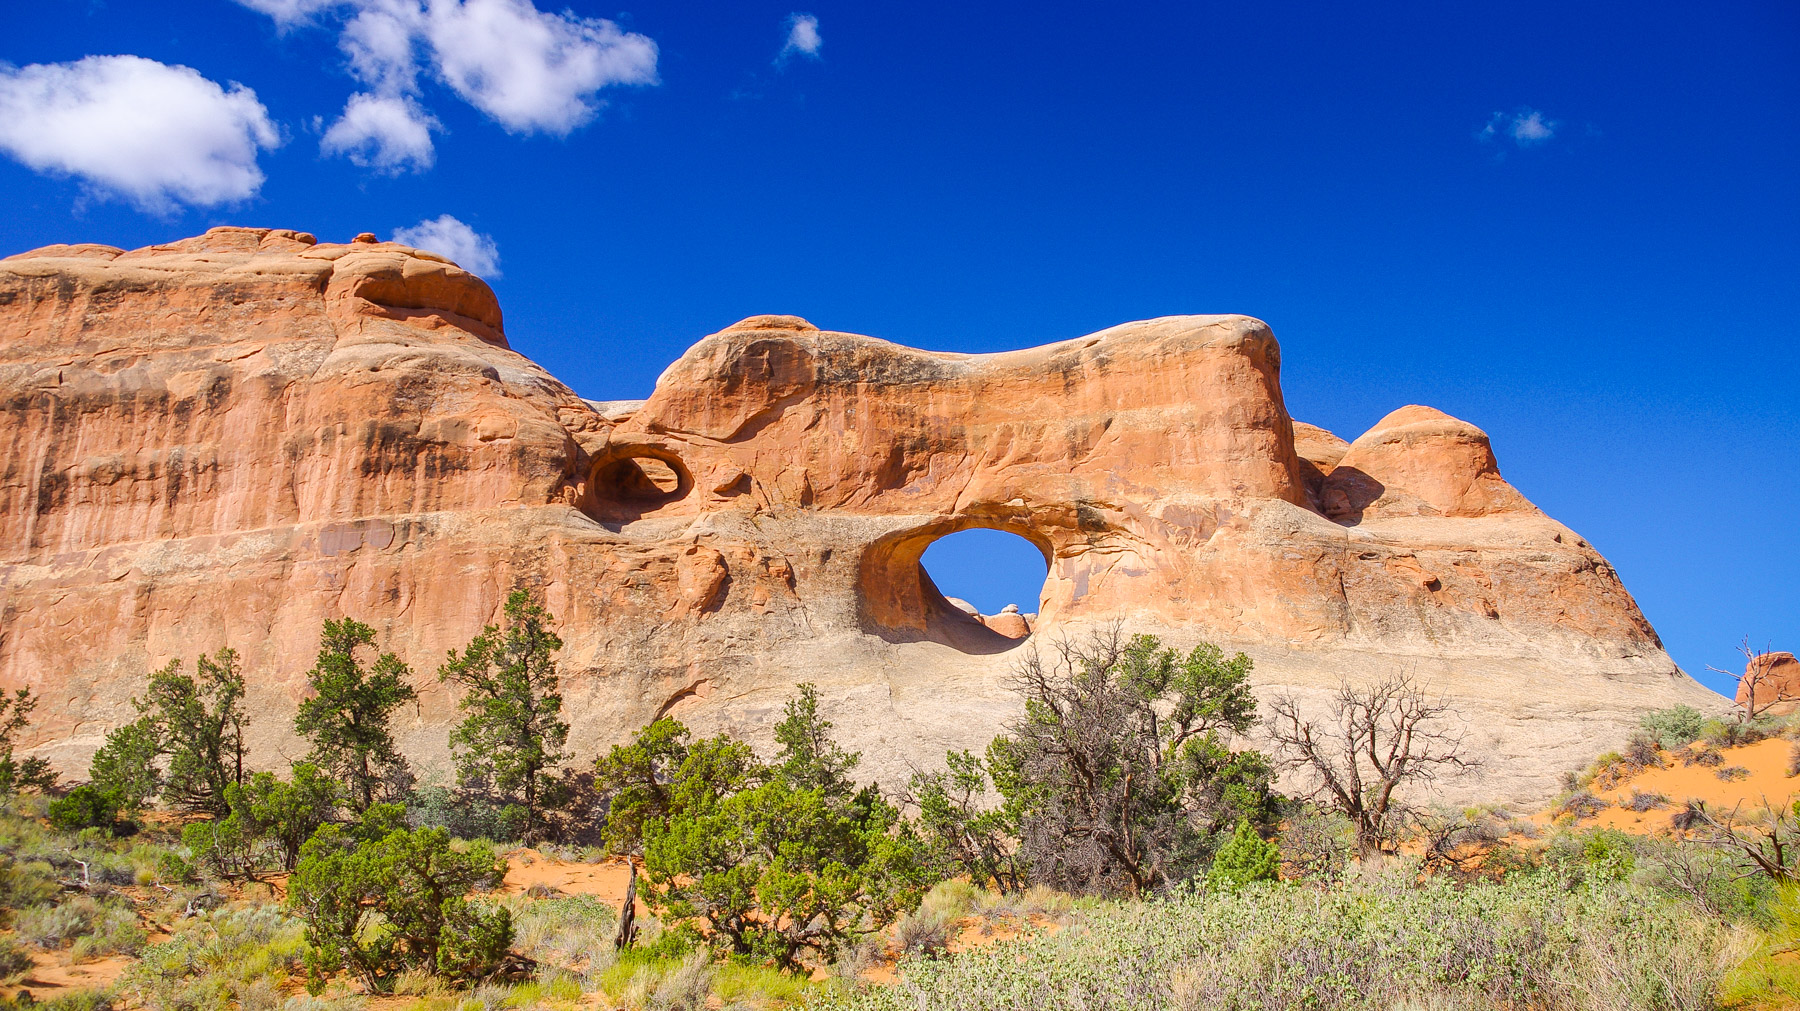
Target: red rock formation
{"points": [[1771, 683], [225, 440]]}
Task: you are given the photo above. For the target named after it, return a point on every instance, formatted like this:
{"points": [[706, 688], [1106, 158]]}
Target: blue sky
{"points": [[1577, 226]]}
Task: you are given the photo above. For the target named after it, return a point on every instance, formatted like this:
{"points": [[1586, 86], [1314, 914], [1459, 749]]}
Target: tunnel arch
{"points": [[996, 576], [899, 601]]}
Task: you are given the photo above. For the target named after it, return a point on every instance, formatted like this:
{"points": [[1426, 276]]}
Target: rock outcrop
{"points": [[227, 439], [1771, 684]]}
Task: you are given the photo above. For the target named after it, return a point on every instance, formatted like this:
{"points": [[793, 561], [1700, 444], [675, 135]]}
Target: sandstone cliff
{"points": [[224, 440]]}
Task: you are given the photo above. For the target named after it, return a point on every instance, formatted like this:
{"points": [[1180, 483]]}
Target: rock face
{"points": [[228, 439], [1771, 683]]}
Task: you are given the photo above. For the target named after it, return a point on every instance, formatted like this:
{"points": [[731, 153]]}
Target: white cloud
{"points": [[290, 12], [448, 237], [386, 132], [152, 134], [528, 70], [378, 41], [1527, 128], [803, 37], [532, 71]]}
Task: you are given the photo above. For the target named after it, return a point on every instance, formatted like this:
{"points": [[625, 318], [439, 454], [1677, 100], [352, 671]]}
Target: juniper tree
{"points": [[33, 773], [769, 860], [347, 719], [513, 736], [187, 744], [636, 781], [971, 834], [201, 723], [1120, 772], [379, 899], [124, 769]]}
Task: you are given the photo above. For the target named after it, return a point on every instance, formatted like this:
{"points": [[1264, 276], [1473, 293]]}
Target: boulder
{"points": [[1771, 683]]}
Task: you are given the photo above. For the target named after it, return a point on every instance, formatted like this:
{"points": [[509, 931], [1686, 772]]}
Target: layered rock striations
{"points": [[227, 439]]}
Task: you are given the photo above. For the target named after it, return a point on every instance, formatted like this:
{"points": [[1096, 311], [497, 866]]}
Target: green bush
{"points": [[15, 961], [379, 900], [85, 807], [773, 861], [217, 961], [1244, 858], [1372, 943], [1675, 727]]}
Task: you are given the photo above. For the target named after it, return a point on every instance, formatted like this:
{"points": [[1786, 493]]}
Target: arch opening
{"points": [[633, 483], [994, 576], [900, 601]]}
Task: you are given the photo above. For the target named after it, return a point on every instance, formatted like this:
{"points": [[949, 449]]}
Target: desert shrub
{"points": [[90, 928], [924, 932], [686, 987], [1710, 876], [568, 931], [1601, 854], [1244, 858], [116, 933], [15, 961], [85, 806], [1457, 840], [1793, 768], [1733, 773], [1373, 943], [1643, 751], [1675, 727], [1608, 769], [1316, 842], [82, 999], [1731, 733], [1580, 805], [53, 926], [25, 884], [1641, 801], [1038, 900], [217, 959], [952, 897], [1702, 756]]}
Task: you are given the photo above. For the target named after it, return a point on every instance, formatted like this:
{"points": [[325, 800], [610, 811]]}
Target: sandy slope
{"points": [[1768, 782]]}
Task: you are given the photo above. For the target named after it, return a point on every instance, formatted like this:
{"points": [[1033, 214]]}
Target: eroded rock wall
{"points": [[226, 440]]}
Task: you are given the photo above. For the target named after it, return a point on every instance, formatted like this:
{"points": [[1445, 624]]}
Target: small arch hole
{"points": [[629, 487], [638, 479]]}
